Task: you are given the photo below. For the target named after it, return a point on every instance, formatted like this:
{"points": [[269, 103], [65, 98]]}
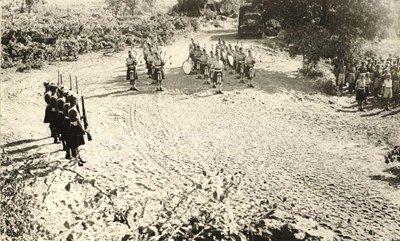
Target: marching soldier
{"points": [[131, 63], [158, 65], [76, 130], [235, 56]]}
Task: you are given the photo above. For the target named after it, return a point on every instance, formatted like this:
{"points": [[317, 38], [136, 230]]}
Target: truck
{"points": [[254, 22]]}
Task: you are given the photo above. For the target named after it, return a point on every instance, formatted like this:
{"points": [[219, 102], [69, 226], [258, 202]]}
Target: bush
{"points": [[53, 37]]}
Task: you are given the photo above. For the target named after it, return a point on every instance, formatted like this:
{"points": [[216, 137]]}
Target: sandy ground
{"points": [[289, 139]]}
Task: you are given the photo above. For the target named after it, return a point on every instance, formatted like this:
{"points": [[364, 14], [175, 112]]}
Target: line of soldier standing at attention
{"points": [[370, 77], [63, 116]]}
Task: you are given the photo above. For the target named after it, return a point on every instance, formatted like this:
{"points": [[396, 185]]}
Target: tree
{"points": [[126, 7], [190, 7], [326, 28]]}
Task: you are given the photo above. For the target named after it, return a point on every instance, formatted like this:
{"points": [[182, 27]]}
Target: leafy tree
{"points": [[126, 7], [326, 28], [190, 7]]}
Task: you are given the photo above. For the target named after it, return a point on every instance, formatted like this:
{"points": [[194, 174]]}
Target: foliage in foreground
{"points": [[29, 40], [209, 209]]}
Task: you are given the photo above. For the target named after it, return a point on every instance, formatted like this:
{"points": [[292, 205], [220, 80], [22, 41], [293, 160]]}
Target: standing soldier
{"points": [[60, 115], [65, 136], [210, 62], [192, 49], [76, 130], [218, 74], [351, 78], [197, 57], [235, 55], [158, 65], [149, 63], [131, 63], [360, 91], [203, 65], [47, 96], [387, 90], [249, 68], [240, 64], [146, 51], [53, 112]]}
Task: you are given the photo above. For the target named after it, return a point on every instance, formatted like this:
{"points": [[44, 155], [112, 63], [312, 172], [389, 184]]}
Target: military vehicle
{"points": [[254, 22]]}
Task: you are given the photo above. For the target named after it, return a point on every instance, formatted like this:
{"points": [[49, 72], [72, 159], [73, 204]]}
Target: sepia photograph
{"points": [[200, 120]]}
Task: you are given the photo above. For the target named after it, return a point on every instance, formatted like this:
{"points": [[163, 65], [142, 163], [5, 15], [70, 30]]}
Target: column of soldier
{"points": [[372, 77], [62, 113], [210, 67]]}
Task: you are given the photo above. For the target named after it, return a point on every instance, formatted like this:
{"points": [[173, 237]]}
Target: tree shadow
{"points": [[393, 180], [25, 141]]}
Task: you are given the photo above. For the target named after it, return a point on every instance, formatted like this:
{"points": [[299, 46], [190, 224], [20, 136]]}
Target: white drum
{"points": [[187, 67]]}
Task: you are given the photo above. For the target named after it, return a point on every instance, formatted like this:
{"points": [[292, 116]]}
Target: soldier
{"points": [[210, 62], [158, 65], [240, 63], [192, 49], [235, 55], [53, 113], [149, 63], [65, 135], [197, 61], [249, 65], [76, 130], [48, 112], [203, 64], [146, 51], [218, 74], [60, 115], [131, 63], [387, 90]]}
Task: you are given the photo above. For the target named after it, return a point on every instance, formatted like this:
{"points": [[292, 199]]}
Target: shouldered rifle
{"points": [[84, 117]]}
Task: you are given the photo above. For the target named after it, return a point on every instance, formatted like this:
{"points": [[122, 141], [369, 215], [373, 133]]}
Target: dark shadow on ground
{"points": [[20, 142], [393, 180], [268, 81], [26, 149]]}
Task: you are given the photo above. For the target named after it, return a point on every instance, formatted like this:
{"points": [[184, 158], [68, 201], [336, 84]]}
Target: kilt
{"points": [[156, 74], [247, 72], [60, 123], [361, 95], [148, 66], [65, 131], [128, 75], [387, 92], [48, 114], [75, 137], [238, 66], [215, 76]]}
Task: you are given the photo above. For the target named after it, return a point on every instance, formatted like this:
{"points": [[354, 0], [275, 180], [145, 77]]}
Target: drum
{"points": [[230, 60], [187, 67]]}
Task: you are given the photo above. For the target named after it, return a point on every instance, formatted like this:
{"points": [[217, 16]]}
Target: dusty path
{"points": [[290, 140]]}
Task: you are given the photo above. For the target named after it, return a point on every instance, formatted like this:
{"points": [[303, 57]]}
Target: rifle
{"points": [[70, 82], [76, 82], [58, 77], [84, 117]]}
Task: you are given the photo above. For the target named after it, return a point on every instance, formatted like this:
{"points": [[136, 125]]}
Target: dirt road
{"points": [[289, 139]]}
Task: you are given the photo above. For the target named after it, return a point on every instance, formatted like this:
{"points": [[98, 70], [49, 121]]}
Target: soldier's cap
{"points": [[204, 50], [240, 48], [62, 87], [46, 83]]}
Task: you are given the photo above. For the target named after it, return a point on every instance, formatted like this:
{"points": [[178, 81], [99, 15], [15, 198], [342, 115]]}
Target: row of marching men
{"points": [[66, 123], [210, 66]]}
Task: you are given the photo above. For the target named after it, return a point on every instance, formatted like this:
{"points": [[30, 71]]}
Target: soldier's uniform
{"points": [[158, 65], [61, 118], [240, 61], [249, 63], [76, 130], [65, 135], [149, 64], [203, 61]]}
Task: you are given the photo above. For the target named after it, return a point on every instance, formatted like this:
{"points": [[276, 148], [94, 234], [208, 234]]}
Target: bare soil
{"points": [[291, 140]]}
